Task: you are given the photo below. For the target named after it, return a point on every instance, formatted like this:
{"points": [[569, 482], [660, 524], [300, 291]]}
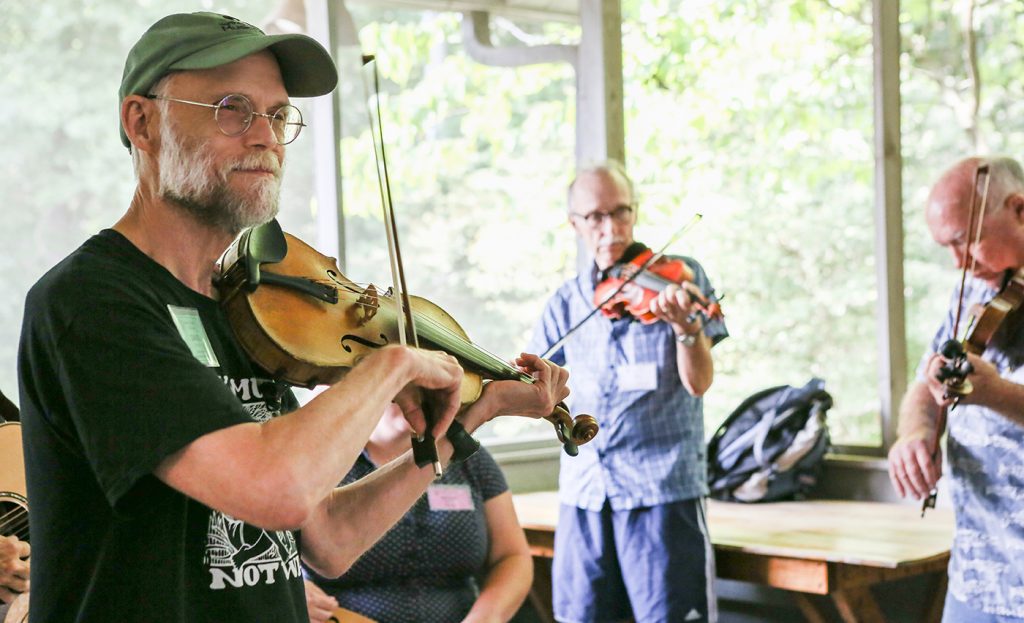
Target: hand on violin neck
{"points": [[945, 375], [941, 377], [535, 400], [985, 380]]}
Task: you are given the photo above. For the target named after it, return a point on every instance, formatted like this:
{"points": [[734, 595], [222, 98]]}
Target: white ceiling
{"points": [[557, 10]]}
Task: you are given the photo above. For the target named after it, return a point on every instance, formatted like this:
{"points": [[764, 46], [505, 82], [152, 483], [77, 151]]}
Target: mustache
{"points": [[265, 161]]}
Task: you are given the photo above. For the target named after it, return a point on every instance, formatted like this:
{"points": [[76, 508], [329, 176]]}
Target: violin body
{"points": [[988, 318], [630, 288], [307, 341], [298, 317]]}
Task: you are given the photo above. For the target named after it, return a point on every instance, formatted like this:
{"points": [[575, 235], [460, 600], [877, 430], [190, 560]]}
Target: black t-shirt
{"points": [[120, 366]]}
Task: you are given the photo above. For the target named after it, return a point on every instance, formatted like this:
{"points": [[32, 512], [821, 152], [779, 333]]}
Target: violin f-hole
{"points": [[361, 340]]}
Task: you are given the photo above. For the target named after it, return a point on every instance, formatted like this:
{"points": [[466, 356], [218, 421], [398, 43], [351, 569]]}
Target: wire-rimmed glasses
{"points": [[620, 214], [234, 114]]}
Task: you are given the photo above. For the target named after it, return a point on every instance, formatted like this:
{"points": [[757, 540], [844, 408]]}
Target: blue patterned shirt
{"points": [[985, 452], [426, 568], [650, 449]]}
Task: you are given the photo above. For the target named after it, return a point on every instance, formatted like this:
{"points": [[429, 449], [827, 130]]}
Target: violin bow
{"points": [[982, 170], [651, 260], [955, 376], [424, 449]]}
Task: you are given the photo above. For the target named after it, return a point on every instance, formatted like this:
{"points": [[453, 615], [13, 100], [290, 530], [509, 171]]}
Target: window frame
{"points": [[888, 216]]}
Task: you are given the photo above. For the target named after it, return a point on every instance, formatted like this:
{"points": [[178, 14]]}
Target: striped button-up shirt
{"points": [[650, 449]]}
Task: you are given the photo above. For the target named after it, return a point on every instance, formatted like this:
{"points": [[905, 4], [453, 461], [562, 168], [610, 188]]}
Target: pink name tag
{"points": [[449, 498]]}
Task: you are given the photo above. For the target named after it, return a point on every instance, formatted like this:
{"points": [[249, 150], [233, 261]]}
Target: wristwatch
{"points": [[688, 339]]}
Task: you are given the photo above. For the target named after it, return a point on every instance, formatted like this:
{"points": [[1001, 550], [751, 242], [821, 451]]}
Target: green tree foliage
{"points": [[478, 159], [756, 113], [65, 174]]}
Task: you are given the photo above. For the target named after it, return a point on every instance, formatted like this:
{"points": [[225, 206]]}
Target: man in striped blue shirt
{"points": [[631, 540]]}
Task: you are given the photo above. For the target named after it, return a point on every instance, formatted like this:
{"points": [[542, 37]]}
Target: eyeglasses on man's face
{"points": [[619, 214], [234, 116]]}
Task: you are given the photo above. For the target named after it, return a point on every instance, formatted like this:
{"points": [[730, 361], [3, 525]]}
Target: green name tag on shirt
{"points": [[190, 327]]}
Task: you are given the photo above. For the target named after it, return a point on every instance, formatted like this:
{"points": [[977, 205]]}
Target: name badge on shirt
{"points": [[449, 498], [638, 377], [190, 327]]}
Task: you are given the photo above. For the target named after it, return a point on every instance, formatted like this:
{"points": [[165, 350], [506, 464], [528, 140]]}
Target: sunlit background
{"points": [[755, 113]]}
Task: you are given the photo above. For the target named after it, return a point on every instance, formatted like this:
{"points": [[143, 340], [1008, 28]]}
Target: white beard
{"points": [[189, 178]]}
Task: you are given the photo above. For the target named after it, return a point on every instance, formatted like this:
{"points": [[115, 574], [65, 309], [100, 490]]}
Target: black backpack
{"points": [[772, 446]]}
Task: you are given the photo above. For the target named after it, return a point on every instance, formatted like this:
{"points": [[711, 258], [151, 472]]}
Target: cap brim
{"points": [[306, 67]]}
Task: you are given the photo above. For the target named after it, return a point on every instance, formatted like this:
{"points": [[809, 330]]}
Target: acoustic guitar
{"points": [[341, 615], [13, 496]]}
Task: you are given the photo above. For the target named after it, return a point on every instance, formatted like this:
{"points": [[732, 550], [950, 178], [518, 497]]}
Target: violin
{"points": [[298, 317], [631, 285]]}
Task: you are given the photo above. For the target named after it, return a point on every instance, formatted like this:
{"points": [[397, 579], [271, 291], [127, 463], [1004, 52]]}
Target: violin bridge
{"points": [[366, 305]]}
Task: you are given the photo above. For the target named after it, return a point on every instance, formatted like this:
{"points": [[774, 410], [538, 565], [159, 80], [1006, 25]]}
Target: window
{"points": [[771, 139], [944, 120], [66, 174], [479, 158]]}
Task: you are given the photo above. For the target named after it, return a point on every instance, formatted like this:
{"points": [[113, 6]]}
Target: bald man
{"points": [[986, 430]]}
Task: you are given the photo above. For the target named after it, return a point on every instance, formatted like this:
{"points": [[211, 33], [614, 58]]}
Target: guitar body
{"points": [[13, 492], [13, 502], [342, 615]]}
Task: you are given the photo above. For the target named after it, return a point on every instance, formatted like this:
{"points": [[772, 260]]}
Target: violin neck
{"points": [[649, 280], [645, 279], [488, 364]]}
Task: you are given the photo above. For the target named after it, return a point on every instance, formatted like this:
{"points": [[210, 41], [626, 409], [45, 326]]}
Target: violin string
{"points": [[443, 336]]}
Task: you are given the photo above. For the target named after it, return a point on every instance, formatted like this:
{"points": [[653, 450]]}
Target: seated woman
{"points": [[458, 555]]}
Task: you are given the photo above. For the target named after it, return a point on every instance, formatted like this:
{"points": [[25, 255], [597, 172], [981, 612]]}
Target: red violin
{"points": [[630, 286]]}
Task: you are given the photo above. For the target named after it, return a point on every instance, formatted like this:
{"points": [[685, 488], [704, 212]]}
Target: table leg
{"points": [[540, 592], [810, 610], [938, 598], [857, 605]]}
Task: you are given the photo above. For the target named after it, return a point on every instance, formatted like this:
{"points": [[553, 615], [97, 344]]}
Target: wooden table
{"points": [[821, 547]]}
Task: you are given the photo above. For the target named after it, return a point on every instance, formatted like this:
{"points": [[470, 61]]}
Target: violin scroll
{"points": [[953, 373], [572, 432]]}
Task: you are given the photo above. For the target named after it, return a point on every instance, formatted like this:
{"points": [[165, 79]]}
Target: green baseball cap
{"points": [[205, 40]]}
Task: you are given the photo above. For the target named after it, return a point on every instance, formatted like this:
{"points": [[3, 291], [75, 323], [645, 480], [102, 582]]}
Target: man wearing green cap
{"points": [[163, 487]]}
